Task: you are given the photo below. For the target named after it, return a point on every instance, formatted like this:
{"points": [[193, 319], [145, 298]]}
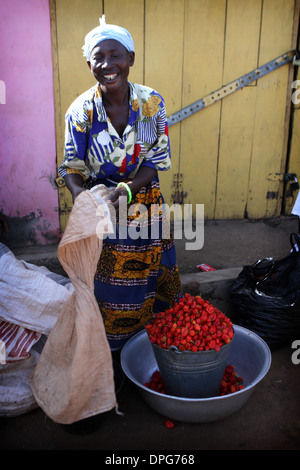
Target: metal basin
{"points": [[249, 355]]}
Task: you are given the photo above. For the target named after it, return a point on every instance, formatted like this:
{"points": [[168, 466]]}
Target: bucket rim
{"points": [[175, 350]]}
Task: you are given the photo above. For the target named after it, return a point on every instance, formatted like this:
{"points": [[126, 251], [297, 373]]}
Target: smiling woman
{"points": [[117, 135]]}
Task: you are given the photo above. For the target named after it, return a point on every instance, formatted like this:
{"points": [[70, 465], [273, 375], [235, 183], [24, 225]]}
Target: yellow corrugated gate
{"points": [[231, 156]]}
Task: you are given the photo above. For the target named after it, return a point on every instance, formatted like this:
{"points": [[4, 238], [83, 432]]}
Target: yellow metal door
{"points": [[293, 162], [231, 156]]}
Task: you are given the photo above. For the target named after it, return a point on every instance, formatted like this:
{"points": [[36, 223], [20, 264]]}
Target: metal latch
{"points": [[292, 178], [60, 181], [296, 59]]}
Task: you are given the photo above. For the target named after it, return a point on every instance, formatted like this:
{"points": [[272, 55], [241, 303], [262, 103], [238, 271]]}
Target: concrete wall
{"points": [[28, 193]]}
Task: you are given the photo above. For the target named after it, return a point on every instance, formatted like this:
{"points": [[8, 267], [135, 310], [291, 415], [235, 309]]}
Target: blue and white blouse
{"points": [[93, 148]]}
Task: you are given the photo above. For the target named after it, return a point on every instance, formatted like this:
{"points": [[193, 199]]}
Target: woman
{"points": [[116, 134]]}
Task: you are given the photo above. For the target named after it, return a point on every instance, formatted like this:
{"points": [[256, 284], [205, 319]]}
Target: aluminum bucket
{"points": [[249, 354], [192, 374]]}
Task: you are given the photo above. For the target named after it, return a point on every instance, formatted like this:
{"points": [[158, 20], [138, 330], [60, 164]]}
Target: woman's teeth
{"points": [[110, 77]]}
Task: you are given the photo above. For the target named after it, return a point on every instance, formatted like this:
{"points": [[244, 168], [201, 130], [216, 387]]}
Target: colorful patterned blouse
{"points": [[94, 149]]}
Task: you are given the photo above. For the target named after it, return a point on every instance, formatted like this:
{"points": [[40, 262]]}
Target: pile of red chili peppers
{"points": [[192, 324]]}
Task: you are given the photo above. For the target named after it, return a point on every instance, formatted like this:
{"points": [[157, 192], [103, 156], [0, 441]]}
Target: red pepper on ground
{"points": [[169, 424]]}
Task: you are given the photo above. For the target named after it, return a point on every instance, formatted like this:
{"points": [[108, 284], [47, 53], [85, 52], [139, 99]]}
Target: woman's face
{"points": [[110, 63]]}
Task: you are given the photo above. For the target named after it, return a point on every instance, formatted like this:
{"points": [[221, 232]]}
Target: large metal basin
{"points": [[249, 355]]}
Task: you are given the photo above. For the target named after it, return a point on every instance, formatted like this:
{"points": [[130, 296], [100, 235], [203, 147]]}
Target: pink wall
{"points": [[28, 195]]}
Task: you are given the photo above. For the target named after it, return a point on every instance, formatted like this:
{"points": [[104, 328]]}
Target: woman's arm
{"points": [[144, 175], [74, 183]]}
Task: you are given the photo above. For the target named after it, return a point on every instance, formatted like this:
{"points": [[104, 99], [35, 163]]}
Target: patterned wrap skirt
{"points": [[137, 273]]}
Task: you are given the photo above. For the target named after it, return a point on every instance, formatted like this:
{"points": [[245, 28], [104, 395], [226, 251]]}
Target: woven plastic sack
{"points": [[16, 397], [74, 377], [266, 297], [30, 295], [30, 299]]}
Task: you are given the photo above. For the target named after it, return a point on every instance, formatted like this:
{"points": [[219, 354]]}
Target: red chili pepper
{"points": [[169, 424]]}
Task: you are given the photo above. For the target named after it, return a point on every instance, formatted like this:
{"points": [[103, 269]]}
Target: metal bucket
{"points": [[192, 374], [249, 354]]}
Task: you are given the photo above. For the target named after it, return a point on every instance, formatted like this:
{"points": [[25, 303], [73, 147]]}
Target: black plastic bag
{"points": [[266, 297]]}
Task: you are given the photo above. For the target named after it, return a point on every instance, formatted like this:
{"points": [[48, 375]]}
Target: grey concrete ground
{"points": [[270, 420]]}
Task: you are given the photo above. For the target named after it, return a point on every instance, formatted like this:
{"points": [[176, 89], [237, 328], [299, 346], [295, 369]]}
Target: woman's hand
{"points": [[114, 198], [143, 177]]}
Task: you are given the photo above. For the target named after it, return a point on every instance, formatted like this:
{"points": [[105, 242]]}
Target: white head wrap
{"points": [[106, 31]]}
